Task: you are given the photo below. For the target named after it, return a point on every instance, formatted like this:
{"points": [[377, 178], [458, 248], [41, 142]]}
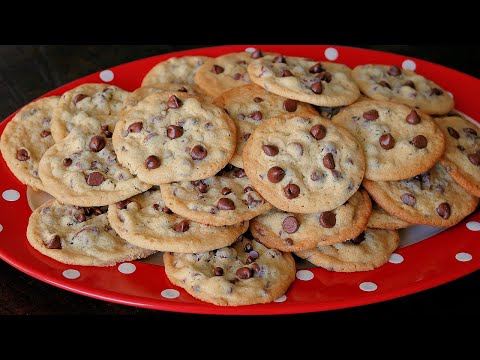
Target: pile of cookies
{"points": [[231, 164]]}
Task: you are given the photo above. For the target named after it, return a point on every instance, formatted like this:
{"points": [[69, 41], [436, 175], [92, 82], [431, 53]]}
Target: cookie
{"points": [[145, 221], [100, 103], [461, 158], [398, 142], [26, 138], [83, 170], [390, 83], [431, 198], [174, 70], [244, 273], [380, 219], [249, 105], [313, 82], [295, 232], [173, 136], [225, 199], [303, 164], [218, 75], [370, 250], [78, 236]]}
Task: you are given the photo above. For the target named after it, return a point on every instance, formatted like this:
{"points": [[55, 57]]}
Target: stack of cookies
{"points": [[231, 164]]}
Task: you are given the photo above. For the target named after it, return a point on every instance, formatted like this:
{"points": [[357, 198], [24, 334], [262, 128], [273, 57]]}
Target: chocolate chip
{"points": [[460, 147], [325, 76], [257, 99], [135, 127], [45, 133], [217, 69], [249, 260], [239, 173], [106, 132], [226, 204], [290, 105], [408, 199], [470, 131], [409, 83], [256, 115], [317, 88], [95, 179], [54, 243], [248, 247], [174, 131], [97, 143], [328, 161], [156, 207], [182, 226], [226, 191], [453, 133], [474, 159], [275, 174], [270, 150], [166, 210], [318, 131], [123, 204], [286, 73], [327, 219], [279, 59], [288, 241], [80, 217], [419, 141], [22, 155], [79, 98], [290, 224], [255, 267], [384, 84], [371, 115], [182, 89], [356, 240], [387, 141], [247, 189], [246, 136], [394, 71], [67, 162], [413, 118], [317, 175], [198, 152], [257, 54], [291, 191], [218, 271], [436, 91], [203, 188], [444, 210], [152, 162], [174, 102], [244, 273], [315, 69]]}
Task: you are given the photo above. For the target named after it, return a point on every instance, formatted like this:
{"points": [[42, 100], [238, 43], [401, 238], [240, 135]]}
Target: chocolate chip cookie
{"points": [[384, 82], [431, 198], [173, 136], [26, 138], [79, 236], [174, 70], [313, 82], [398, 142], [225, 199], [380, 219], [303, 164], [244, 273], [368, 251], [144, 220], [83, 170], [462, 153], [296, 232]]}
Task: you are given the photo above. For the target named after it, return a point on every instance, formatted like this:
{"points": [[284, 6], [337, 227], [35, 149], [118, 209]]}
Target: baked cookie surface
{"points": [[179, 70]]}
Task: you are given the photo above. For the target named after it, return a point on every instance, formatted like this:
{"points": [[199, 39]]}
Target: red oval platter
{"points": [[438, 259]]}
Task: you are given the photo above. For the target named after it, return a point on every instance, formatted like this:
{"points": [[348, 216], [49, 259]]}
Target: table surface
{"points": [[27, 72]]}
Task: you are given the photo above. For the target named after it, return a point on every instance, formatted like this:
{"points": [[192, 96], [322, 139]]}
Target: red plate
{"points": [[439, 259]]}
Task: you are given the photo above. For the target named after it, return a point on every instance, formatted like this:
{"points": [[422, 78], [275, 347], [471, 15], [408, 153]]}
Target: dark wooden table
{"points": [[27, 72]]}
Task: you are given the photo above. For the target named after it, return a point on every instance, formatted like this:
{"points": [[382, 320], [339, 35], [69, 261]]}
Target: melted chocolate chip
{"points": [[182, 226], [327, 219], [244, 273], [246, 136], [371, 115], [413, 118], [182, 89], [460, 147], [270, 150], [247, 189], [218, 271], [317, 88], [166, 210], [419, 141], [408, 199], [474, 158], [318, 131], [291, 191], [279, 59], [135, 127], [325, 76], [67, 162], [384, 84], [79, 98], [317, 175], [290, 105], [237, 76], [286, 73], [95, 179], [394, 71], [275, 174], [97, 143], [444, 210], [315, 69], [453, 133], [106, 132], [409, 83], [290, 225], [45, 133], [470, 131], [123, 204], [174, 131], [174, 102], [156, 207], [387, 141], [239, 173], [198, 152], [152, 162], [257, 54], [356, 240], [54, 243], [248, 247], [256, 115], [217, 69], [257, 99], [22, 155], [288, 241], [226, 204], [328, 161], [436, 91]]}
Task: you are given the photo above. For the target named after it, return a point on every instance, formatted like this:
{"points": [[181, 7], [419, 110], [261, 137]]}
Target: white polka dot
{"points": [[281, 298], [331, 54], [11, 195], [409, 65], [304, 275], [71, 274], [395, 258], [463, 257], [473, 225], [1, 227], [107, 75], [250, 50], [368, 286], [127, 268], [170, 293]]}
